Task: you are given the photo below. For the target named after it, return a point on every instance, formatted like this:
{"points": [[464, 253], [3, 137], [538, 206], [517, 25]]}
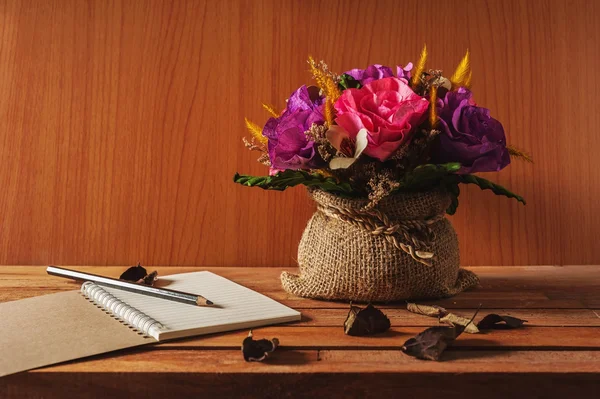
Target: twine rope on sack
{"points": [[377, 223]]}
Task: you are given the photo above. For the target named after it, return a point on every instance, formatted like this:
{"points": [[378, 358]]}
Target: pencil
{"points": [[163, 293]]}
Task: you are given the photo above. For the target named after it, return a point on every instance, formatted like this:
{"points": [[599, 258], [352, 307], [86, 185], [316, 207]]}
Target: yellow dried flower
{"points": [[517, 153], [462, 75], [415, 80], [256, 131], [432, 107], [271, 110]]}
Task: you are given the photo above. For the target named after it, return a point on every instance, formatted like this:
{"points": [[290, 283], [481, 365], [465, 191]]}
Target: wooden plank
{"points": [[487, 301], [542, 287], [524, 277], [345, 361], [301, 337], [463, 301], [459, 302], [327, 384], [402, 317], [493, 277]]}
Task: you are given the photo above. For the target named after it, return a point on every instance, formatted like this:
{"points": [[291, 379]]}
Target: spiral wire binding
{"points": [[126, 313]]}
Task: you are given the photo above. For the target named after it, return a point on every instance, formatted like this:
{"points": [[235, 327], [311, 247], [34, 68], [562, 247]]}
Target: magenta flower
{"points": [[469, 135], [289, 147], [373, 72], [387, 108], [404, 72], [377, 71]]}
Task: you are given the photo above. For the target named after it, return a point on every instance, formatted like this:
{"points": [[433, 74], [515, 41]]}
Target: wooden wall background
{"points": [[121, 122]]}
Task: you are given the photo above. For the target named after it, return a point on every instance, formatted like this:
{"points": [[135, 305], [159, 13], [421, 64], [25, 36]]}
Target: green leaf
{"points": [[348, 82], [428, 175], [454, 191], [291, 178], [431, 175], [488, 185]]}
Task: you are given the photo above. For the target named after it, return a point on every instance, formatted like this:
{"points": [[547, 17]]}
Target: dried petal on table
{"points": [[367, 321], [138, 274], [443, 315], [134, 273], [427, 310], [150, 278], [499, 322], [431, 343], [468, 324], [257, 351]]}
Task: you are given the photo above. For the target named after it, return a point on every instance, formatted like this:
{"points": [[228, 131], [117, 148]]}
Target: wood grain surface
{"points": [[556, 354], [121, 122]]}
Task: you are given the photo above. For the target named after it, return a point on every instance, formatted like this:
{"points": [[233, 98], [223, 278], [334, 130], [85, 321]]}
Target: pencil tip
{"points": [[209, 302]]}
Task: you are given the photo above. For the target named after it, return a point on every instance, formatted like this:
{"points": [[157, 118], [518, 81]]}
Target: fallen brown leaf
{"points": [[367, 321], [498, 322], [431, 343], [426, 310]]}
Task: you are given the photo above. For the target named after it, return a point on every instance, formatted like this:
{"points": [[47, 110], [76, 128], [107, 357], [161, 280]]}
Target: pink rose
{"points": [[387, 108]]}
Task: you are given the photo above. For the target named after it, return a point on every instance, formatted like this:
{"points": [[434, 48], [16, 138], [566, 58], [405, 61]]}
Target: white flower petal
{"points": [[341, 163], [361, 142]]}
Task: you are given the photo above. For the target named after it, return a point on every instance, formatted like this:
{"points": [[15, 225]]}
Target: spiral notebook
{"points": [[54, 328]]}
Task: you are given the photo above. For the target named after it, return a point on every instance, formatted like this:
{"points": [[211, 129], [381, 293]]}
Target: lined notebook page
{"points": [[238, 306]]}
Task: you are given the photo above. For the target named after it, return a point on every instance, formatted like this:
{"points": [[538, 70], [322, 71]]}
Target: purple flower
{"points": [[289, 147], [404, 72], [373, 72], [469, 135]]}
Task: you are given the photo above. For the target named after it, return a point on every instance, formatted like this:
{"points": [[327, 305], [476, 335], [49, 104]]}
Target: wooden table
{"points": [[558, 354]]}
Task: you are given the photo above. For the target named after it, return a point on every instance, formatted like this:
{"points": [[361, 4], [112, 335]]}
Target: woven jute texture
{"points": [[347, 253]]}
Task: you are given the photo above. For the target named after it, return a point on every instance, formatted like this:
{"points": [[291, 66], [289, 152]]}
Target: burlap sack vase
{"points": [[404, 248]]}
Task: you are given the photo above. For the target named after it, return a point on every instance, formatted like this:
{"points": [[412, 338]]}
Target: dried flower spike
{"points": [[270, 109], [419, 69], [432, 106], [324, 79], [462, 75], [520, 154], [255, 130]]}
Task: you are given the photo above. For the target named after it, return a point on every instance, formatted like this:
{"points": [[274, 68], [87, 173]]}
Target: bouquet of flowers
{"points": [[382, 155], [369, 133]]}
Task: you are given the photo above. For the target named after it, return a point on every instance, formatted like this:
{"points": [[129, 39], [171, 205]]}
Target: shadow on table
{"points": [[470, 349], [292, 357]]}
